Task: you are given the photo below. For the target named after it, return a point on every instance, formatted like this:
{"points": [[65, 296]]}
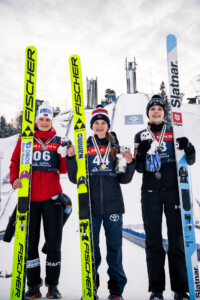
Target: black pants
{"points": [[53, 222], [153, 203]]}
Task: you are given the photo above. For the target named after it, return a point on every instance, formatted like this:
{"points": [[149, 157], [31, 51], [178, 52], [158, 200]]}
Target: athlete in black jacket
{"points": [[106, 196], [160, 192]]}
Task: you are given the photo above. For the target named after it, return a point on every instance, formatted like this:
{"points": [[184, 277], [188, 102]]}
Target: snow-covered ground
{"points": [[126, 121]]}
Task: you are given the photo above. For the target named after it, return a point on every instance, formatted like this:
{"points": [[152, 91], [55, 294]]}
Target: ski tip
{"points": [[74, 56], [171, 42], [31, 47]]}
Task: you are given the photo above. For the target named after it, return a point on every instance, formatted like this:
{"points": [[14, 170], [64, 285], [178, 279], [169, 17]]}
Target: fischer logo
{"points": [[26, 153], [19, 280], [77, 89], [197, 282], [177, 117], [80, 146], [29, 86], [88, 270]]}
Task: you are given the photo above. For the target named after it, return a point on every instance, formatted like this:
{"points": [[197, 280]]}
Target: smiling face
{"points": [[100, 127], [156, 114], [44, 124]]}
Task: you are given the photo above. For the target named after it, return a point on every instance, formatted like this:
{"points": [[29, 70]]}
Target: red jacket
{"points": [[44, 184]]}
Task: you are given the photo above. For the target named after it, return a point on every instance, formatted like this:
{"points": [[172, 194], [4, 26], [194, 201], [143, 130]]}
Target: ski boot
{"points": [[115, 294], [33, 292], [181, 296], [156, 296], [53, 292]]}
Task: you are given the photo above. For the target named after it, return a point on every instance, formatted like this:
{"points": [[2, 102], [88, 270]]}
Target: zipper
{"points": [[101, 195]]}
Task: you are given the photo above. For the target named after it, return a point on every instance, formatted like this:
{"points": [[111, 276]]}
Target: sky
{"points": [[103, 33]]}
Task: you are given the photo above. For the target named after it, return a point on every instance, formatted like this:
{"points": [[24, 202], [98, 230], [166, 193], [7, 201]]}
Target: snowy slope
{"points": [[133, 256]]}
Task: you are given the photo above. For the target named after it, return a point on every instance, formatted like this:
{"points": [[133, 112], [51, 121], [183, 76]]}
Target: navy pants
{"points": [[153, 204], [52, 215], [112, 224]]}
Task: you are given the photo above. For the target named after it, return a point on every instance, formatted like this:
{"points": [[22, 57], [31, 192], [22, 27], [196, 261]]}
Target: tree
{"points": [[163, 94]]}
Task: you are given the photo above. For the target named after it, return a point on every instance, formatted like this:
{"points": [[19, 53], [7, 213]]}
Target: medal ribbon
{"points": [[161, 136], [98, 151], [44, 145]]}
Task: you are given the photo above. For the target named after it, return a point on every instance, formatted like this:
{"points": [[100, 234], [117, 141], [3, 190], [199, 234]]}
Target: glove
{"points": [[62, 150], [63, 199], [144, 147], [184, 144]]}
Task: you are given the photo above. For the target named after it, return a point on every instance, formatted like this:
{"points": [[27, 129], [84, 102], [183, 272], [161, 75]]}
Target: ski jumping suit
{"points": [[107, 208], [45, 183], [160, 194]]}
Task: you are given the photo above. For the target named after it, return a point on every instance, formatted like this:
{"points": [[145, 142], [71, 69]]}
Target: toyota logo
{"points": [[114, 217]]}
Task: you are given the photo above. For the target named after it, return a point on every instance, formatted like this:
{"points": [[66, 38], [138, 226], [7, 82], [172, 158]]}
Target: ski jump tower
{"points": [[92, 98], [131, 77]]}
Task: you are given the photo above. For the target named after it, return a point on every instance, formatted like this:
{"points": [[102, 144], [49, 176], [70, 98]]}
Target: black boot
{"points": [[181, 296], [156, 296]]}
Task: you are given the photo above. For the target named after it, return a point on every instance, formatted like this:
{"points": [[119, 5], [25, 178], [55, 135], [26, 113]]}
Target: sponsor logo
{"points": [[19, 277], [80, 146], [95, 169], [25, 174], [29, 87], [175, 92], [26, 153], [76, 86], [134, 119], [197, 282], [53, 264], [88, 265], [177, 117], [114, 217]]}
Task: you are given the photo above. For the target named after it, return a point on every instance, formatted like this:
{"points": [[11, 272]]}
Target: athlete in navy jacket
{"points": [[106, 196], [160, 192]]}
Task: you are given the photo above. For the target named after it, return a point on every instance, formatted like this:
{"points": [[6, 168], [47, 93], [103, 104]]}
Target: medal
{"points": [[103, 166], [159, 150], [102, 160], [44, 145], [158, 175]]}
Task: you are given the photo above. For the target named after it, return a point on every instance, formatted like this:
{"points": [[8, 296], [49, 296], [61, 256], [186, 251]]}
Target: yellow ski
{"points": [[23, 202], [86, 242]]}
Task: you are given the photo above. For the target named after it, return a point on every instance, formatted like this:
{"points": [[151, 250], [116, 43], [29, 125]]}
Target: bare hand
{"points": [[17, 184], [71, 151], [128, 156]]}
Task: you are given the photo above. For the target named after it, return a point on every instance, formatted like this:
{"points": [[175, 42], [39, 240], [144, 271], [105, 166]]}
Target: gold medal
{"points": [[103, 166]]}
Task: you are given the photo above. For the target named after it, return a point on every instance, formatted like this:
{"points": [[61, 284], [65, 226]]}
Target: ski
{"points": [[182, 172], [23, 201], [86, 241]]}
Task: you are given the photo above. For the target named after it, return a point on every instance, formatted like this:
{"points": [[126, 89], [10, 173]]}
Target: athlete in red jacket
{"points": [[45, 190]]}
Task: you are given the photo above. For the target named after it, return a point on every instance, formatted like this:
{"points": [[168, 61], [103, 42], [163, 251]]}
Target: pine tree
{"points": [[163, 94]]}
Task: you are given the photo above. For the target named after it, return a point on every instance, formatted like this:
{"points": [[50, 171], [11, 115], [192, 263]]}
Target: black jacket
{"points": [[168, 169], [105, 191]]}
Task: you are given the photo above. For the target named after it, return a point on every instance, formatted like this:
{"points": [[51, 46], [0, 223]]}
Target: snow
{"points": [[134, 260]]}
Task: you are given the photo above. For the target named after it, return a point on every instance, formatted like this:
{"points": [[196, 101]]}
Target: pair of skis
{"points": [[25, 170]]}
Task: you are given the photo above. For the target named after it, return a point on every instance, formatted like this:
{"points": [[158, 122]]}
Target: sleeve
{"points": [[15, 162], [139, 161], [72, 168], [62, 165]]}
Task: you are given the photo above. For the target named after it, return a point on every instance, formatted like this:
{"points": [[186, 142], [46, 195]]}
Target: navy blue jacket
{"points": [[105, 191], [168, 167]]}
